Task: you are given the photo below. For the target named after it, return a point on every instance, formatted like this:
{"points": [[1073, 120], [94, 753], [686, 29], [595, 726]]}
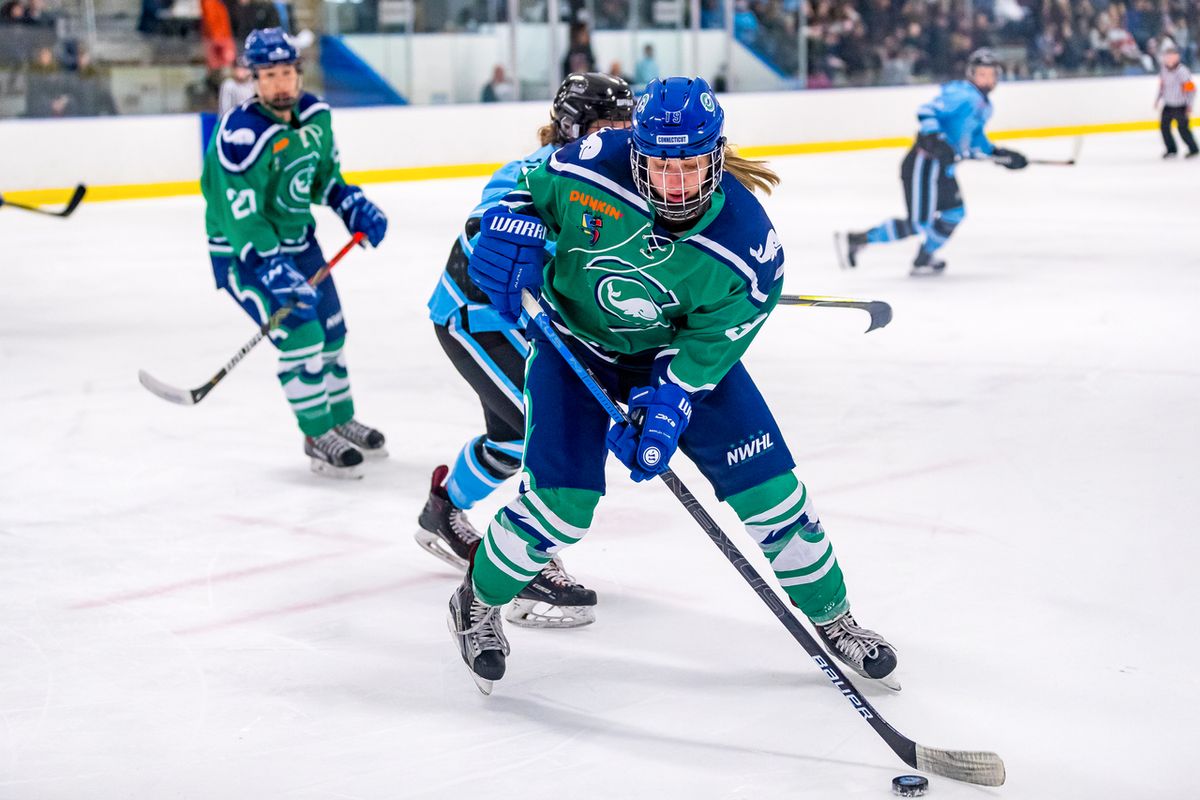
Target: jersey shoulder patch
{"points": [[243, 134], [743, 239], [601, 159]]}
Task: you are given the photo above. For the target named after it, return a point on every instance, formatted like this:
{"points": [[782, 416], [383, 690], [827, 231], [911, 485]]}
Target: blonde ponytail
{"points": [[754, 175]]}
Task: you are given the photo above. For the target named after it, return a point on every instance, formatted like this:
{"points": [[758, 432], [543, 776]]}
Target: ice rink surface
{"points": [[1008, 473]]}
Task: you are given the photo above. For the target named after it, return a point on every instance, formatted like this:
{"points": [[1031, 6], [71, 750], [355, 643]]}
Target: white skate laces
{"points": [[557, 574], [855, 643], [461, 527], [485, 632], [333, 445]]}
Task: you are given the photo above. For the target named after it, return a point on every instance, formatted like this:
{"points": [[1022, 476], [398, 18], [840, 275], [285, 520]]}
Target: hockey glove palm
{"points": [[359, 213], [280, 277], [647, 449], [936, 146], [507, 258], [1009, 159]]}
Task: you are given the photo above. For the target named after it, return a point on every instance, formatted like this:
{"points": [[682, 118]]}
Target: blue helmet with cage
{"points": [[678, 120], [269, 47]]}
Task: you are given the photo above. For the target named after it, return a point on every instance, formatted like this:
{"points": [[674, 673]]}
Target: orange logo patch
{"points": [[596, 206], [280, 146]]}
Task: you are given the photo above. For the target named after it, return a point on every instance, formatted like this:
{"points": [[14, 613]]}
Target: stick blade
{"points": [[75, 200], [881, 314], [165, 391], [970, 766]]}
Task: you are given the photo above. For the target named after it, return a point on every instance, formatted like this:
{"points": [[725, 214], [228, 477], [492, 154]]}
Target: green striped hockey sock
{"points": [[337, 382], [524, 535], [779, 516], [301, 373]]}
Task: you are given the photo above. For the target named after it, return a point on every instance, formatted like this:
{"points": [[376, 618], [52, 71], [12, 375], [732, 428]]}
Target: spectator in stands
{"points": [[499, 89], [579, 56], [46, 92], [12, 12], [250, 15], [217, 32], [645, 70], [87, 87], [237, 88]]}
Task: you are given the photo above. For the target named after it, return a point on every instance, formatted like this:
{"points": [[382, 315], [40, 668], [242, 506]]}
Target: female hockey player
{"points": [[269, 160], [951, 130], [660, 300], [489, 352]]}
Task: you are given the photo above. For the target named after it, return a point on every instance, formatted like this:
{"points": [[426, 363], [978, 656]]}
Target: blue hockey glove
{"points": [[359, 213], [507, 258], [647, 449], [935, 145], [1009, 159], [281, 278]]}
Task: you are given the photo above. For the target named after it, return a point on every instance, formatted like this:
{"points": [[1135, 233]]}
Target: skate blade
{"points": [[327, 470], [540, 614], [840, 250], [433, 544], [889, 681], [483, 684], [925, 272]]}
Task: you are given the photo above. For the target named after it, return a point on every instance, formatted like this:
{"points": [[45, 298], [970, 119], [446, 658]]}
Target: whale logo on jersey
{"points": [[591, 226], [590, 147], [769, 249], [242, 136], [629, 301]]}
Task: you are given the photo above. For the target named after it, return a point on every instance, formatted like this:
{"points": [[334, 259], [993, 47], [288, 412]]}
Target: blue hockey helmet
{"points": [[268, 47], [676, 119]]}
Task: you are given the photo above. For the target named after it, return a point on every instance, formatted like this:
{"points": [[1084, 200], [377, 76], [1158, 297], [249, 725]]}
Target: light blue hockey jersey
{"points": [[450, 297], [959, 114]]}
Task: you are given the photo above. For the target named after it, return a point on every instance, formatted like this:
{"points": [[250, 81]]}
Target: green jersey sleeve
{"points": [[236, 205], [328, 176], [537, 193]]}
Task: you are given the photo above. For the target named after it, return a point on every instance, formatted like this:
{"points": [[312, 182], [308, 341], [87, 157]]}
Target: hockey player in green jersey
{"points": [[665, 269], [270, 159]]}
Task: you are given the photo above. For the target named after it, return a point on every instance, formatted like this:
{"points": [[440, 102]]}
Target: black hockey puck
{"points": [[909, 785]]}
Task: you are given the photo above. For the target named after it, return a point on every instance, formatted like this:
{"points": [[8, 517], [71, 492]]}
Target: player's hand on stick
{"points": [[647, 449], [280, 277], [937, 147], [1009, 159], [508, 258], [359, 213]]}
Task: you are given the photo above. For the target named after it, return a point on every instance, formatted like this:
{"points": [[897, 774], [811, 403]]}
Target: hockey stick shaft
{"points": [[66, 211], [193, 396], [879, 311], [981, 768]]}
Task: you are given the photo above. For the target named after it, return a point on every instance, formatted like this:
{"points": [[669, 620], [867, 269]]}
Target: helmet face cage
{"points": [[585, 97], [679, 125], [701, 172]]}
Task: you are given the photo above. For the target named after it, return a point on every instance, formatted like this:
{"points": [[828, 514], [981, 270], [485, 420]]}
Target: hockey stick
{"points": [[978, 767], [881, 312], [189, 397], [68, 209], [1061, 162]]}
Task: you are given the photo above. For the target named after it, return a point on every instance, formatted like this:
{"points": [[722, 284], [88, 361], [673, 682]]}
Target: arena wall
{"points": [[142, 157]]}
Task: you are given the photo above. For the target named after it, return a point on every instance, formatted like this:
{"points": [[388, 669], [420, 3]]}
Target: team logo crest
{"points": [[706, 100], [591, 226], [629, 301]]}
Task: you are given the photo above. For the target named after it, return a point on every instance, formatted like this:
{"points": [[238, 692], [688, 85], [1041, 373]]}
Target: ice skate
{"points": [[553, 600], [444, 530], [864, 651], [926, 264], [332, 456], [847, 246], [479, 632], [366, 439]]}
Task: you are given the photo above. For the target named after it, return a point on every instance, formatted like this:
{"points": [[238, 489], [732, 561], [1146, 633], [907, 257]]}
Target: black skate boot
{"points": [[553, 600], [864, 651], [479, 632], [368, 440], [926, 264], [333, 456], [445, 531], [847, 246]]}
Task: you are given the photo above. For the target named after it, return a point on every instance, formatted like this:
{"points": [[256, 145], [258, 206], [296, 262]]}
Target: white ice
{"points": [[1008, 473]]}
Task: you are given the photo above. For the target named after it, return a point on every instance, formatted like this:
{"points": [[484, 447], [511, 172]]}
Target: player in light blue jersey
{"points": [[951, 130], [489, 352]]}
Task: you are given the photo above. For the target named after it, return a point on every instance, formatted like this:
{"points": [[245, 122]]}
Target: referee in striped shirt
{"points": [[1176, 92]]}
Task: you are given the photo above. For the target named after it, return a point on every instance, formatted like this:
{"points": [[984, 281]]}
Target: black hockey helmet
{"points": [[983, 57], [585, 97]]}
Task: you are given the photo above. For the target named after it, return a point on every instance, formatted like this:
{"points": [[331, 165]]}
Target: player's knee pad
{"points": [[479, 470], [951, 217]]}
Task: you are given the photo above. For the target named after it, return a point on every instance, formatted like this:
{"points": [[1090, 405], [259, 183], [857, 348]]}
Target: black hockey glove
{"points": [[936, 146], [1009, 159]]}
